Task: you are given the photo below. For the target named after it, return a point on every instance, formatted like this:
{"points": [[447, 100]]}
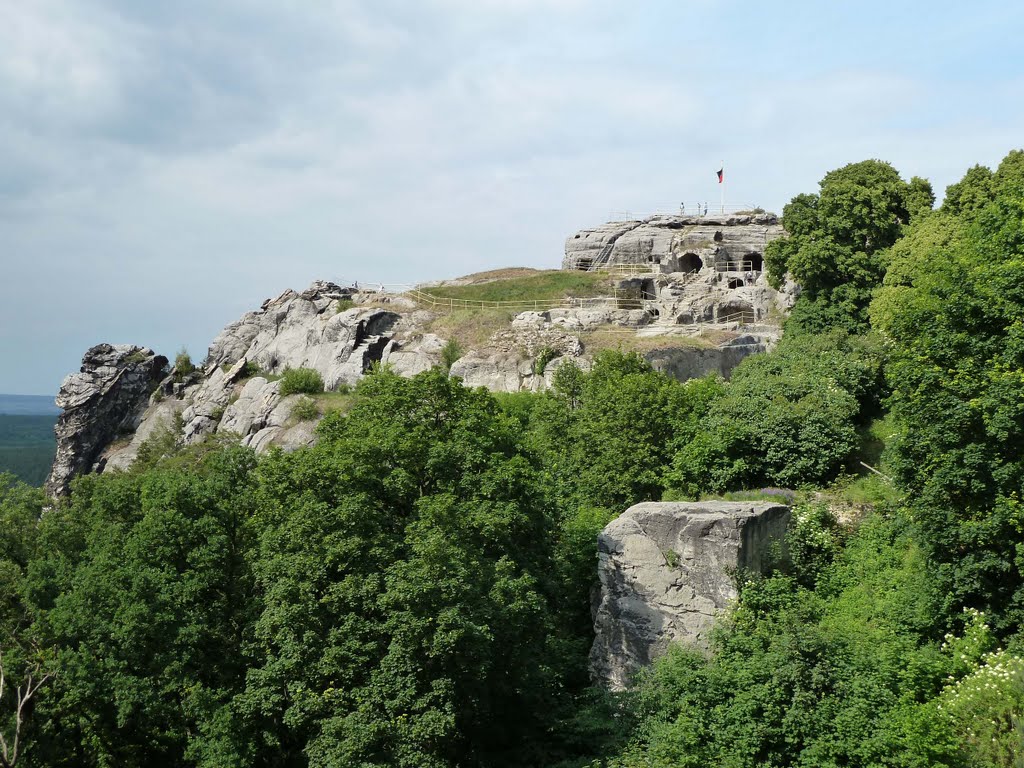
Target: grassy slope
{"points": [[550, 285]]}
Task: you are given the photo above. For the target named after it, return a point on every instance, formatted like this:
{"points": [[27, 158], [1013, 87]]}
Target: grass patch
{"points": [[329, 402], [867, 489], [778, 495], [873, 439], [545, 287], [471, 328], [626, 339]]}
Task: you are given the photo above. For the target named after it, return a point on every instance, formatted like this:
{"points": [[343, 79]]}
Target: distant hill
{"points": [[27, 444]]}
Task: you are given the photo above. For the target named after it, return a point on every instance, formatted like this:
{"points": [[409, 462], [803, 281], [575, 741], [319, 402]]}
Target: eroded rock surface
{"points": [[674, 243], [101, 402], [666, 572], [341, 333]]}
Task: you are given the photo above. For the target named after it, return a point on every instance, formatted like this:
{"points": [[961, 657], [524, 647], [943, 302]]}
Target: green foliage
{"points": [[802, 677], [607, 436], [450, 352], [815, 541], [972, 193], [837, 239], [305, 409], [787, 419], [985, 711], [953, 318], [146, 592], [301, 381], [182, 365], [544, 356], [406, 617]]}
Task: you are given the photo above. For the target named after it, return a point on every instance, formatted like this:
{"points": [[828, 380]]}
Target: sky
{"points": [[165, 167]]}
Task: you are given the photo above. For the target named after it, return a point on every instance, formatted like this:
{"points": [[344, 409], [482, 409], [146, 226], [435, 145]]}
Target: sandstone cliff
{"points": [[105, 399], [675, 243], [667, 571]]}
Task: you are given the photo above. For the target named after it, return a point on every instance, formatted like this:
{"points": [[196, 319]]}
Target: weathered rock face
{"points": [[666, 574], [105, 399], [341, 333], [675, 243], [684, 364]]}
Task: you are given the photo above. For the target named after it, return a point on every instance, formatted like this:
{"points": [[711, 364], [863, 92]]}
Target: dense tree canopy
{"points": [[836, 239]]}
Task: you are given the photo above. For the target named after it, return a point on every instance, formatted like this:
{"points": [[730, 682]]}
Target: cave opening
{"points": [[690, 262]]}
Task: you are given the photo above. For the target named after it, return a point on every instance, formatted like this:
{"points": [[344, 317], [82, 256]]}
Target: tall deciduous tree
{"points": [[836, 238], [953, 308]]}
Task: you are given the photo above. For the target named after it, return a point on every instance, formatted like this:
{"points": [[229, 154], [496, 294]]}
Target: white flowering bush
{"points": [[985, 706], [814, 541]]}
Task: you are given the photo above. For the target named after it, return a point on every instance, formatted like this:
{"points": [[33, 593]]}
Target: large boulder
{"points": [[104, 400], [667, 571]]}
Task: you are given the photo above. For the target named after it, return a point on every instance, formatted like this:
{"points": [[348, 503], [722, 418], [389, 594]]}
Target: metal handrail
{"points": [[744, 266]]}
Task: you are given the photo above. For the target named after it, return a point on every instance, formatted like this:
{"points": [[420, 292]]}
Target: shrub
{"points": [[301, 381], [544, 356], [305, 409], [450, 352], [182, 364], [250, 369]]}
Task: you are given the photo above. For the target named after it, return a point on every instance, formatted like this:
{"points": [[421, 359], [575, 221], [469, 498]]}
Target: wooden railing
{"points": [[522, 305]]}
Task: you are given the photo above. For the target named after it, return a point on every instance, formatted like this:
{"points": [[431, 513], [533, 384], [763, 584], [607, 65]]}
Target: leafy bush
{"points": [[182, 364], [305, 409], [544, 356], [814, 541], [450, 352], [301, 381]]}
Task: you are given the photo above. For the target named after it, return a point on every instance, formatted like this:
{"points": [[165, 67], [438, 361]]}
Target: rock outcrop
{"points": [[667, 571], [675, 243], [341, 332], [101, 402]]}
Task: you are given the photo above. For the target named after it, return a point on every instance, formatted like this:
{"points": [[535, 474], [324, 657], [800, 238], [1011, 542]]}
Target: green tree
{"points": [[836, 238], [146, 600], [953, 314], [405, 565], [786, 418]]}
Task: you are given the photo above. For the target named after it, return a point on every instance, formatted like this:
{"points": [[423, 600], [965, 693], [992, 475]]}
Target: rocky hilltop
{"points": [[700, 318], [670, 243]]}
